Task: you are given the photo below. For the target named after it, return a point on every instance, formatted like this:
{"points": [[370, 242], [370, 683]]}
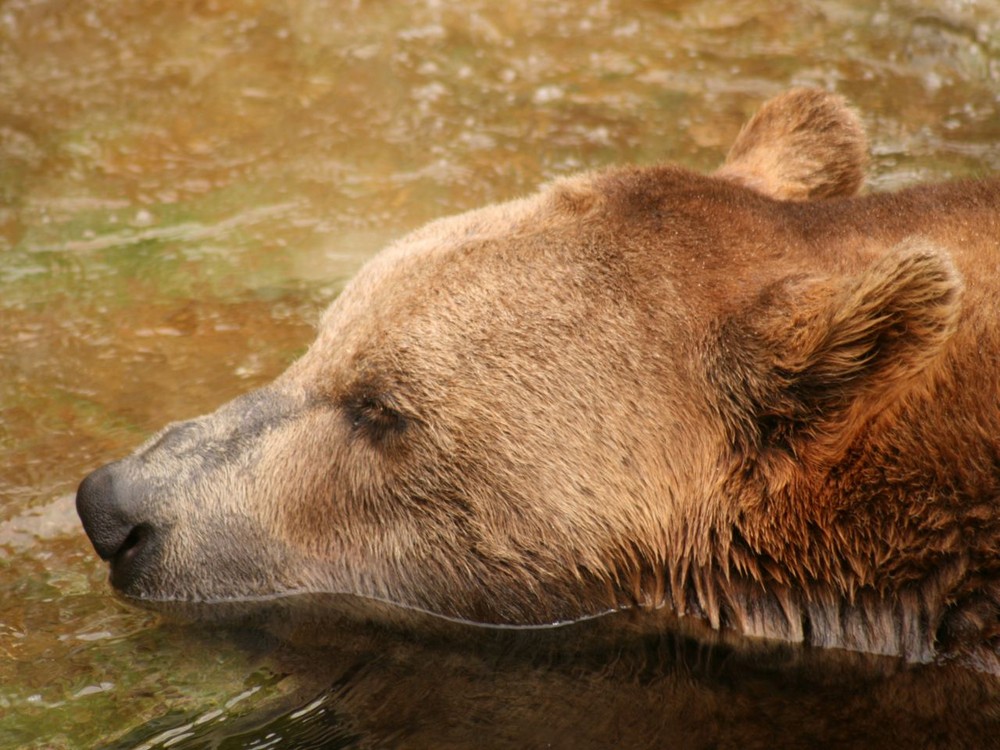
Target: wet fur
{"points": [[755, 397], [859, 505]]}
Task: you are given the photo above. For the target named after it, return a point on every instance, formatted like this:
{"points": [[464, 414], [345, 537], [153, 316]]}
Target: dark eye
{"points": [[375, 415]]}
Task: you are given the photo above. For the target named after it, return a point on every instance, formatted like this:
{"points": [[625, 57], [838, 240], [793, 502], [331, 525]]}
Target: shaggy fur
{"points": [[754, 397]]}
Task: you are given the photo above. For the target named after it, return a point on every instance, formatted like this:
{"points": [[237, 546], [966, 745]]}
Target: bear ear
{"points": [[821, 357], [801, 145]]}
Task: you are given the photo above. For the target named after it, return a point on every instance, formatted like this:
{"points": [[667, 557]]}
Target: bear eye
{"points": [[375, 415]]}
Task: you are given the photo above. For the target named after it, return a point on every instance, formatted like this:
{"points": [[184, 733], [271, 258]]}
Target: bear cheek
{"points": [[370, 522], [328, 499]]}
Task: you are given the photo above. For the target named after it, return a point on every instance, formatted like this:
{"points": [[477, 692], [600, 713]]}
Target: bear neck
{"points": [[890, 549]]}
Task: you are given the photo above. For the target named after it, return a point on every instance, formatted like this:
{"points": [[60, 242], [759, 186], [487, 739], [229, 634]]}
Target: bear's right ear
{"points": [[813, 360], [801, 145]]}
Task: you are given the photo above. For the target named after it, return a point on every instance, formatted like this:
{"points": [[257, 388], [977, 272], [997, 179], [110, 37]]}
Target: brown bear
{"points": [[754, 397]]}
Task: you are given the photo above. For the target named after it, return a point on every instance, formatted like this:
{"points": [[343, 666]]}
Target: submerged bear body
{"points": [[754, 397]]}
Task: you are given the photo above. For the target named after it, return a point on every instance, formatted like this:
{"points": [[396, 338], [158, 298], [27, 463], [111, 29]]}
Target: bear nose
{"points": [[108, 525]]}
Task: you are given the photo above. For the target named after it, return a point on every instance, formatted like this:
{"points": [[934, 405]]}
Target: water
{"points": [[184, 186]]}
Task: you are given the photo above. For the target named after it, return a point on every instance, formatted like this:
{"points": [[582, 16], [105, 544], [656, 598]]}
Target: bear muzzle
{"points": [[120, 535], [180, 518]]}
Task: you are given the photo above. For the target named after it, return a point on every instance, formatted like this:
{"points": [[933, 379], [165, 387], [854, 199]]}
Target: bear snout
{"points": [[117, 535]]}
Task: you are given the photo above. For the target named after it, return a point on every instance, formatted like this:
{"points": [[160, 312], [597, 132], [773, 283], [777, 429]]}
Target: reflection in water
{"points": [[372, 675]]}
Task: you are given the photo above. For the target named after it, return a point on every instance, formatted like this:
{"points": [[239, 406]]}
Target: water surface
{"points": [[185, 185]]}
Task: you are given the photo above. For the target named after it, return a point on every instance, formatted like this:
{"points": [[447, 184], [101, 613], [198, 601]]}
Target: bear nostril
{"points": [[133, 543], [104, 519]]}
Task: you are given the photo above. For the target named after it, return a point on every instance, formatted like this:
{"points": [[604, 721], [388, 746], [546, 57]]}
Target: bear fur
{"points": [[755, 397]]}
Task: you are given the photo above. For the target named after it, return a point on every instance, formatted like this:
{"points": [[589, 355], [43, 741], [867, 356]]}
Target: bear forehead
{"points": [[657, 245], [454, 264], [597, 224]]}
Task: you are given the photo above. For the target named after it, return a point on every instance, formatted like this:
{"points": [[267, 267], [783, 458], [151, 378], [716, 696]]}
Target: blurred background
{"points": [[185, 185]]}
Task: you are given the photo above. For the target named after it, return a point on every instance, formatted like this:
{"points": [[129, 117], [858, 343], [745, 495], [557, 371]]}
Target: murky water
{"points": [[184, 185]]}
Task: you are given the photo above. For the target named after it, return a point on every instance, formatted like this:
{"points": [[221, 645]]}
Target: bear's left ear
{"points": [[819, 357], [805, 144]]}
